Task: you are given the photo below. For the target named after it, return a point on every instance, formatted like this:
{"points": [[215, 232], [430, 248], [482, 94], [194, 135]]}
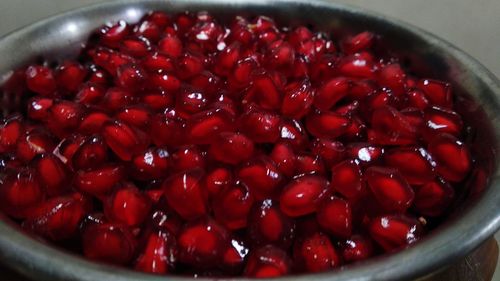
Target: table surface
{"points": [[473, 26]]}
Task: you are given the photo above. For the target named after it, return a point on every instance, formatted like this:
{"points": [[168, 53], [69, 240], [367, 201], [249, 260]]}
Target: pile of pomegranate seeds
{"points": [[179, 145]]}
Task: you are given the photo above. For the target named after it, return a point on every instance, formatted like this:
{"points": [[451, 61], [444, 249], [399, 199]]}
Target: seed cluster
{"points": [[179, 145]]}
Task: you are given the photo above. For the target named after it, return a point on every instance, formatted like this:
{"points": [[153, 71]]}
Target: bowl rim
{"points": [[35, 259]]}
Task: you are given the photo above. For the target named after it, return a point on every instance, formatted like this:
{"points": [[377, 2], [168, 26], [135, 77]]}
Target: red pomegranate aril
{"points": [[316, 254], [217, 180], [185, 194], [165, 130], [262, 177], [159, 254], [99, 181], [357, 66], [326, 124], [203, 127], [297, 99], [331, 92], [209, 82], [67, 148], [189, 65], [416, 98], [441, 120], [231, 148], [112, 35], [437, 92], [93, 122], [188, 157], [137, 47], [90, 93], [11, 130], [32, 144], [98, 75], [433, 198], [148, 29], [164, 81], [53, 175], [260, 126], [452, 157], [334, 215], [232, 205], [393, 77], [109, 243], [393, 232], [58, 218], [293, 132], [151, 164], [357, 248], [330, 151], [359, 42], [170, 46], [268, 225], [166, 221], [157, 100], [63, 117], [264, 92], [309, 164], [201, 243], [190, 101], [127, 205], [69, 75], [227, 58], [38, 108], [347, 179], [137, 116], [20, 191], [41, 80], [365, 153], [157, 63], [267, 262], [284, 157], [391, 127], [389, 188], [234, 256], [116, 99], [124, 140], [302, 194], [415, 164], [130, 76], [92, 153]]}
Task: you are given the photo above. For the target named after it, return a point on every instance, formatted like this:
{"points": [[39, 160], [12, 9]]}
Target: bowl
{"points": [[474, 221]]}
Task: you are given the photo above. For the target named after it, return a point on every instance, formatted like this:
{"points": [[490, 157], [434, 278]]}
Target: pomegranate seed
{"points": [[130, 77], [92, 153], [136, 47], [391, 127], [434, 198], [157, 100], [185, 194], [437, 92], [41, 80], [389, 188], [231, 148], [170, 46], [165, 130], [203, 127], [453, 160], [67, 148], [365, 153], [357, 248], [58, 218], [416, 98], [335, 217], [201, 243], [124, 140], [264, 92], [93, 122], [99, 181], [32, 144], [326, 124], [159, 254], [135, 116], [38, 108], [415, 164], [98, 76], [316, 253], [63, 117], [331, 92], [297, 99], [293, 132], [69, 75], [217, 180], [127, 205], [330, 151], [189, 65], [232, 205], [440, 120], [53, 174], [116, 99], [20, 191], [267, 262], [285, 158], [301, 195], [157, 63], [190, 101], [109, 243], [309, 164], [268, 225], [262, 177], [393, 77], [346, 179], [393, 232], [164, 81], [90, 93], [112, 35], [357, 66], [234, 256], [187, 158], [359, 42], [151, 164], [261, 126]]}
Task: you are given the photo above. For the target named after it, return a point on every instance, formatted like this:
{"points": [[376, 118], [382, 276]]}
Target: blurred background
{"points": [[473, 26]]}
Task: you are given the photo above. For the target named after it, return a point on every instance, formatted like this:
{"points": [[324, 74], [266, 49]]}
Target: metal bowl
{"points": [[479, 93]]}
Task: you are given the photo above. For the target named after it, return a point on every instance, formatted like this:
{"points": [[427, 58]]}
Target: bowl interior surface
{"points": [[477, 218]]}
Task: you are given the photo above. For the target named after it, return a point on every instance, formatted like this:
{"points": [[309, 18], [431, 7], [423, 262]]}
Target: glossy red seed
{"points": [[441, 120], [189, 65], [92, 153], [151, 164], [188, 157], [330, 151], [58, 218], [137, 116], [285, 158], [217, 180], [232, 205], [415, 164], [164, 81], [326, 124], [157, 62], [127, 205], [359, 42], [437, 92], [41, 80], [201, 243], [90, 93], [10, 132], [416, 98], [100, 180], [309, 164], [433, 198], [165, 130], [20, 191], [331, 92], [297, 99], [453, 160], [391, 127], [157, 100], [116, 99], [190, 101], [67, 148], [53, 175], [393, 77], [159, 255], [233, 258], [267, 262], [93, 122], [137, 47], [365, 153], [32, 144], [69, 75], [357, 66], [130, 76], [231, 148], [347, 179], [203, 127], [268, 225], [301, 195], [394, 232], [316, 254], [262, 177], [38, 108], [109, 243], [334, 215], [260, 126], [63, 117], [389, 188], [124, 140], [264, 92], [293, 132], [185, 194], [112, 35], [170, 46], [357, 248]]}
